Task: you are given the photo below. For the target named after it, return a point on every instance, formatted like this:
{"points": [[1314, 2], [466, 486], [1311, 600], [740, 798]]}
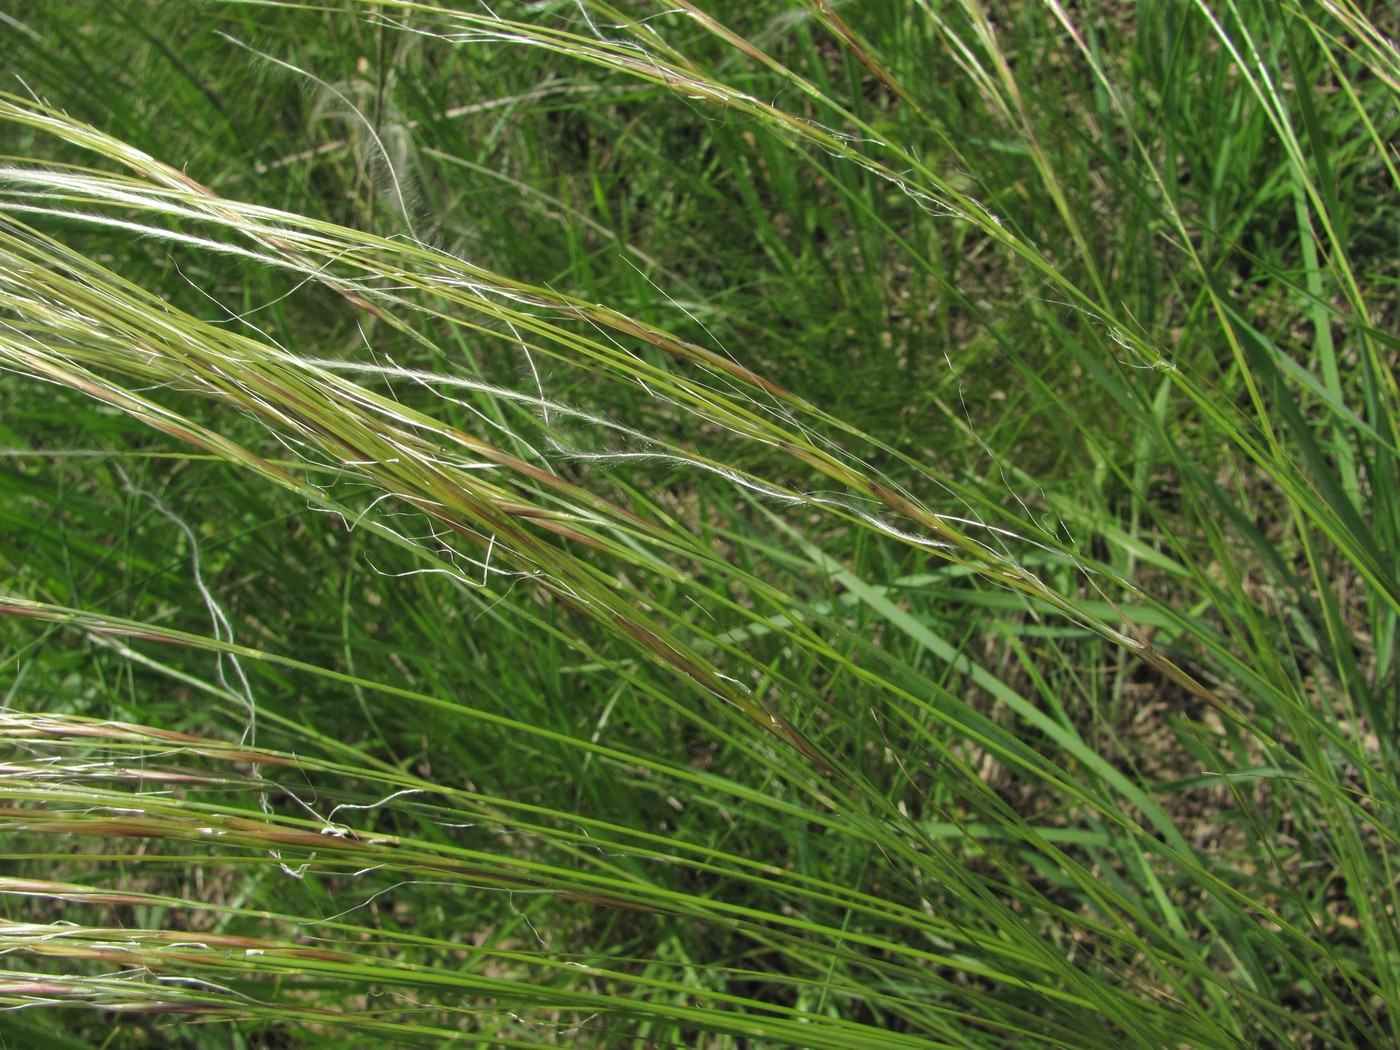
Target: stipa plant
{"points": [[567, 676]]}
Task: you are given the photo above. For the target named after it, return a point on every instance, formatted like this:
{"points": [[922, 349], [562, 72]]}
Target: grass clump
{"points": [[817, 525]]}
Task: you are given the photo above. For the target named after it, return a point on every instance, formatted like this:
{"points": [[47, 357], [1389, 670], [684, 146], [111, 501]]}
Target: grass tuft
{"points": [[663, 525]]}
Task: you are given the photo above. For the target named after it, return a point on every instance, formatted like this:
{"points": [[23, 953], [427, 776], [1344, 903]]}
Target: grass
{"points": [[676, 525]]}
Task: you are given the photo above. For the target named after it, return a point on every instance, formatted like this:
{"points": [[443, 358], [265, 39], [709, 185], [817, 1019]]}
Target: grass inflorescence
{"points": [[815, 525]]}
